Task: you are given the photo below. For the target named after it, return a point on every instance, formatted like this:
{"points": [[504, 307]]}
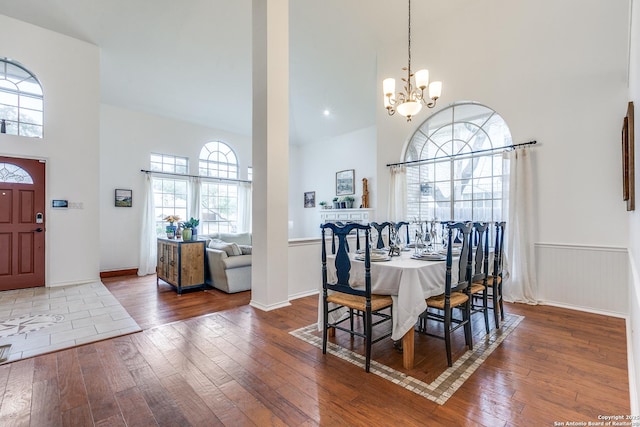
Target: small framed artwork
{"points": [[628, 166], [124, 198], [310, 199], [345, 182]]}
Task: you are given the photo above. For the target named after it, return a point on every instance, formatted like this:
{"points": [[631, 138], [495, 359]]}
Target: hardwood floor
{"points": [[235, 365]]}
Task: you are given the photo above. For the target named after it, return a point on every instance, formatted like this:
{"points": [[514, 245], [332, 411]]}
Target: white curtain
{"points": [[194, 198], [519, 263], [398, 194], [148, 246], [244, 207]]}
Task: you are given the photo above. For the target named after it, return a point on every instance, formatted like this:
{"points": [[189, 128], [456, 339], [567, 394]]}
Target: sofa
{"points": [[228, 261]]}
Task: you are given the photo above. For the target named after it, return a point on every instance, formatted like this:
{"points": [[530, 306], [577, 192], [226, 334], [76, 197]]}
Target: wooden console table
{"points": [[180, 263]]}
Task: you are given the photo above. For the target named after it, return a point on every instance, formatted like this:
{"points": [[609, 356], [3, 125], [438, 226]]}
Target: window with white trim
{"points": [[170, 194], [454, 176], [219, 199], [21, 100]]}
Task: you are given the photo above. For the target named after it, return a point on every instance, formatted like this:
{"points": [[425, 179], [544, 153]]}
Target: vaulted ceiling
{"points": [[191, 60]]}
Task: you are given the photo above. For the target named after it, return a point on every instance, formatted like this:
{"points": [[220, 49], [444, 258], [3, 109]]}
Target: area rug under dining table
{"points": [[446, 384]]}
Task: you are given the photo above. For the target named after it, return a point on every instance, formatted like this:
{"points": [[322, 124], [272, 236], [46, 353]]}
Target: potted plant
{"points": [[323, 205], [171, 229], [348, 200], [191, 225], [336, 204]]}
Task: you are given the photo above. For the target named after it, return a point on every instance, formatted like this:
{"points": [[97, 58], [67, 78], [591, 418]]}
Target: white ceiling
{"points": [[191, 60]]}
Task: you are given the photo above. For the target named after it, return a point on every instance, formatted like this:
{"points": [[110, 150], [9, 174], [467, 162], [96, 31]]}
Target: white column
{"points": [[269, 277]]}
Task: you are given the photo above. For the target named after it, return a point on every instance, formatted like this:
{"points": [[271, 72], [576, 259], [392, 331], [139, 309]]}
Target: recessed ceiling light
{"points": [[326, 112]]}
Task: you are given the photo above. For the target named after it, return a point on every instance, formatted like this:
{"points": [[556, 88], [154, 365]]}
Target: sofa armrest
{"points": [[216, 265]]}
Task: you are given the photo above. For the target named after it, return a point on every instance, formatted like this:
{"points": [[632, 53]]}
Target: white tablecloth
{"points": [[409, 282]]}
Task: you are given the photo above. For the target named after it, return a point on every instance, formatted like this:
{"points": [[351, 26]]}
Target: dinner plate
{"points": [[373, 251], [429, 257], [374, 257], [455, 250]]}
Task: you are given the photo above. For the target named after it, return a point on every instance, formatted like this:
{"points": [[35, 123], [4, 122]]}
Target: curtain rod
{"points": [[508, 147], [195, 176]]}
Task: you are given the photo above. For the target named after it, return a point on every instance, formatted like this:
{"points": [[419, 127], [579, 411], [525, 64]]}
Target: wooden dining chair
{"points": [[479, 260], [380, 229], [340, 293], [440, 308]]}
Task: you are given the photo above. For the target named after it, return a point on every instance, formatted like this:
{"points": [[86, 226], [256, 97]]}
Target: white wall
{"points": [[633, 325], [68, 70], [313, 167], [127, 139]]}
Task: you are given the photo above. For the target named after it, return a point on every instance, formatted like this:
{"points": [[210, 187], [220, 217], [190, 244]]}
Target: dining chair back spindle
{"points": [[440, 308], [479, 260], [495, 281], [340, 293], [380, 228]]}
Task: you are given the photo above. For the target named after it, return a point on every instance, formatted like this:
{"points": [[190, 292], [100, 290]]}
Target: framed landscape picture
{"points": [[124, 198], [345, 182], [310, 199]]}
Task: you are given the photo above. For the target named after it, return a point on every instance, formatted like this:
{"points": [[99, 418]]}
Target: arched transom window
{"points": [[456, 174], [21, 100], [218, 159], [14, 174]]}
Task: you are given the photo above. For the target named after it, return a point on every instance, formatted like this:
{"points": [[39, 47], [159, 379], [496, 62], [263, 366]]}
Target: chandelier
{"points": [[409, 102]]}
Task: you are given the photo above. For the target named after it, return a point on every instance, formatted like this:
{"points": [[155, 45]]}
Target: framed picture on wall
{"points": [[628, 167], [124, 198], [345, 182], [310, 199]]}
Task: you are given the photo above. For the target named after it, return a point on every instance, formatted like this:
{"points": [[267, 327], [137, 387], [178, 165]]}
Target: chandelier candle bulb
{"points": [[422, 79], [388, 87], [435, 90]]}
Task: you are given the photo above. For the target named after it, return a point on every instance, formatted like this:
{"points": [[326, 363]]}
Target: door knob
{"points": [[38, 230]]}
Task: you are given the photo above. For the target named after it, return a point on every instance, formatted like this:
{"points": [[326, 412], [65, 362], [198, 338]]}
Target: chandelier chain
{"points": [[409, 44]]}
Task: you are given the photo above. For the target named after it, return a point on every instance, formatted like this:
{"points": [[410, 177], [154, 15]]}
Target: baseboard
{"points": [[303, 294], [585, 309], [72, 283], [633, 386], [269, 307], [116, 273]]}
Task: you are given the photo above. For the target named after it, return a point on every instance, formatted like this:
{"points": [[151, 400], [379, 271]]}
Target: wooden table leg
{"points": [[407, 349]]}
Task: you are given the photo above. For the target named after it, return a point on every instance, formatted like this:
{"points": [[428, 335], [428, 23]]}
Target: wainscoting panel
{"points": [[590, 278]]}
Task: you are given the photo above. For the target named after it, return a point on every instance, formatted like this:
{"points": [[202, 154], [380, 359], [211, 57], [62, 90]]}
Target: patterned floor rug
{"points": [[40, 320], [443, 387]]}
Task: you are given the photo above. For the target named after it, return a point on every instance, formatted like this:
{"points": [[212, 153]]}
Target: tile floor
{"points": [[40, 320]]}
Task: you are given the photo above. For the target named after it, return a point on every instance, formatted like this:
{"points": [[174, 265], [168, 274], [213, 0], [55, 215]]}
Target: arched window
{"points": [[455, 176], [219, 198], [21, 100], [218, 159], [14, 174]]}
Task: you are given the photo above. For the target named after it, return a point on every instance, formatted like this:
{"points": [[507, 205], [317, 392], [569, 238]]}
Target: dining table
{"points": [[408, 280]]}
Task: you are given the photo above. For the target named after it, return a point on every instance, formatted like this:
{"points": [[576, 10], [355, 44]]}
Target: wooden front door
{"points": [[22, 203]]}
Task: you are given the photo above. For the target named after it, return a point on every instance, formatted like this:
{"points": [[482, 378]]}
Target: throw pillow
{"points": [[245, 249], [231, 249]]}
